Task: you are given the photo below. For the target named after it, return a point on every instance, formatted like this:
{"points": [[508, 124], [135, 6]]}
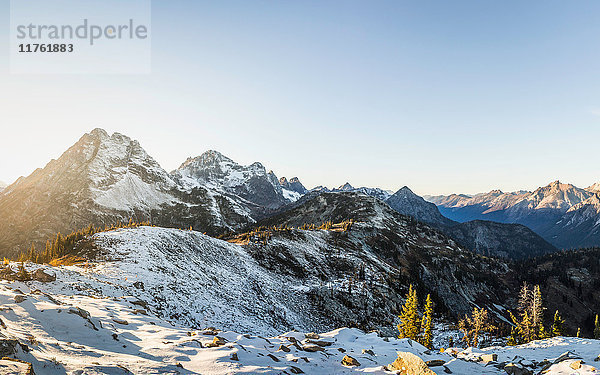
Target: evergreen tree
{"points": [[578, 332], [409, 326], [426, 324], [557, 325], [597, 328], [537, 314]]}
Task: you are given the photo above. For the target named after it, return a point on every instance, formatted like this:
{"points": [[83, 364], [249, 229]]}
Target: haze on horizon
{"points": [[460, 97]]}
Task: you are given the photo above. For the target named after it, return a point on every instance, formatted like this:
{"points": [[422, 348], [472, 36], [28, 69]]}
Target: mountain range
{"points": [[103, 179], [254, 229], [565, 215]]}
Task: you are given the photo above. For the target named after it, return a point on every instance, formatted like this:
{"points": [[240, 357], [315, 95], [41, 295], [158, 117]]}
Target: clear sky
{"points": [[442, 96]]}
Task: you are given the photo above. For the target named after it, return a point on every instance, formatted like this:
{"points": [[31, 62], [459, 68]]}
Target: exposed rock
{"points": [[296, 370], [82, 313], [565, 356], [350, 361], [410, 364], [20, 298], [489, 357], [273, 357], [312, 336], [234, 357], [120, 321], [435, 362], [368, 351], [217, 341], [319, 342], [8, 347], [576, 365], [514, 369], [283, 348], [312, 348], [40, 275]]}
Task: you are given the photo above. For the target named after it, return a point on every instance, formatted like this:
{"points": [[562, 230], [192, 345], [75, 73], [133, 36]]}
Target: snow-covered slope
{"points": [[3, 185], [83, 324]]}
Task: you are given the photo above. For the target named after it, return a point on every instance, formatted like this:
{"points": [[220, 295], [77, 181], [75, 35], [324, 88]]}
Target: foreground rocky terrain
{"points": [[79, 321]]}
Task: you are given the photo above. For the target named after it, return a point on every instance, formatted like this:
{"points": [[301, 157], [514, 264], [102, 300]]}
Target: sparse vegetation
{"points": [[64, 245], [472, 327]]}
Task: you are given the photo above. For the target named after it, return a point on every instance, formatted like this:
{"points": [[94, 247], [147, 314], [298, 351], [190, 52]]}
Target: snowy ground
{"points": [[118, 337], [98, 319]]}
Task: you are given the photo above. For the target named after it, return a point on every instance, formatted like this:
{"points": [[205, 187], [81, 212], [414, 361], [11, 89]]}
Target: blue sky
{"points": [[440, 96]]}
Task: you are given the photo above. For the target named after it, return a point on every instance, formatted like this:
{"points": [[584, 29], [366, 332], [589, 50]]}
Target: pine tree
{"points": [[557, 325], [537, 314], [426, 324], [578, 332], [409, 326]]}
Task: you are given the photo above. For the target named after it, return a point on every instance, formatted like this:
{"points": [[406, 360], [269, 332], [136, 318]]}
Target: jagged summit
{"points": [[293, 184], [251, 183], [346, 187], [595, 188]]}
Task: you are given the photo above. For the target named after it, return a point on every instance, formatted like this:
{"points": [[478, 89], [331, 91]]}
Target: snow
{"points": [[61, 341], [291, 195], [148, 311]]}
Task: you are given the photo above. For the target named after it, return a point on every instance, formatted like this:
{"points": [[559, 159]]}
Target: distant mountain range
{"points": [[565, 215]]}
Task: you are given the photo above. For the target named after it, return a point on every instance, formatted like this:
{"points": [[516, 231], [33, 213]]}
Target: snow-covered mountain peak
{"points": [[595, 188], [557, 195], [346, 187], [252, 183]]}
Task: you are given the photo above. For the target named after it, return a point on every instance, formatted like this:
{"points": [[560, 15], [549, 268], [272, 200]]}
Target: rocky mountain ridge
{"points": [[563, 214]]}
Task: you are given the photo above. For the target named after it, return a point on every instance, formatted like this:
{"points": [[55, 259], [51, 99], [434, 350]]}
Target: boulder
{"points": [[217, 341], [320, 342], [514, 369], [435, 363], [489, 357], [350, 361], [40, 275], [20, 298], [312, 336], [410, 364], [312, 348], [565, 356], [8, 347], [283, 348], [368, 351], [576, 365], [296, 370]]}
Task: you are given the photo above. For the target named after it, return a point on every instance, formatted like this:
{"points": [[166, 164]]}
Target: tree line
{"points": [[527, 323]]}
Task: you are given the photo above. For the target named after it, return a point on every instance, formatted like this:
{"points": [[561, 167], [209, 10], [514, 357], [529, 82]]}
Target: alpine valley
{"points": [[219, 268]]}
